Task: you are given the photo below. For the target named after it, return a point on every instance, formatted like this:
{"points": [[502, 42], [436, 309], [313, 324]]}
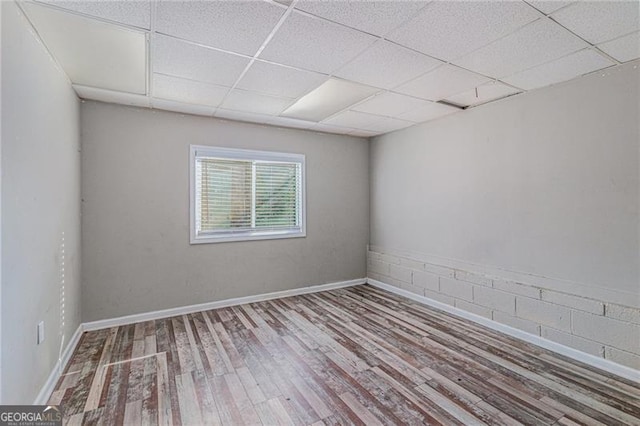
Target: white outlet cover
{"points": [[40, 332]]}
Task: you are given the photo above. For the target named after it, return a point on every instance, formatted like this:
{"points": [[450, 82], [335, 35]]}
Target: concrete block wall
{"points": [[599, 328]]}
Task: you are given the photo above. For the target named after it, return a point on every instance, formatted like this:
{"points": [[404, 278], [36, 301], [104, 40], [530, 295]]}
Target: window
{"points": [[238, 194]]}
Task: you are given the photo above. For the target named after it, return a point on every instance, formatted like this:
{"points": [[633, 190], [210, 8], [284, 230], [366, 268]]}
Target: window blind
{"points": [[243, 196]]}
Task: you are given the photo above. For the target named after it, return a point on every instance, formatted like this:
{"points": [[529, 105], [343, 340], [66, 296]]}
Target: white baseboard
{"points": [[594, 361], [50, 384], [164, 313]]}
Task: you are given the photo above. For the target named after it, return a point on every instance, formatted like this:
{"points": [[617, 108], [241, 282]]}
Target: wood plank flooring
{"points": [[358, 355]]}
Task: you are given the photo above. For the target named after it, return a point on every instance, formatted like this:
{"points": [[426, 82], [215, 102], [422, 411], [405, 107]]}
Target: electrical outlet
{"points": [[40, 332]]}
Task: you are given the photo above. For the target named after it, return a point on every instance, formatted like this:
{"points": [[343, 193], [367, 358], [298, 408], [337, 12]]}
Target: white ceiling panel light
{"points": [[353, 119], [444, 81], [243, 100], [449, 29], [187, 91], [93, 53], [623, 49], [332, 96], [535, 44], [386, 65], [600, 21], [390, 104], [180, 107], [315, 44], [181, 59], [429, 111], [134, 13], [374, 17], [278, 80], [482, 94], [574, 65], [111, 96], [236, 26], [548, 6]]}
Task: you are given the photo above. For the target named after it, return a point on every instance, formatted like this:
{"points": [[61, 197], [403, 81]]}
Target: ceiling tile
{"points": [[242, 100], [574, 65], [111, 96], [450, 29], [229, 114], [166, 105], [352, 119], [237, 26], [332, 96], [135, 13], [388, 124], [535, 44], [389, 104], [363, 133], [315, 44], [278, 80], [328, 128], [181, 59], [624, 48], [429, 111], [548, 6], [374, 17], [386, 65], [599, 21], [442, 82], [485, 93], [93, 53], [187, 91]]}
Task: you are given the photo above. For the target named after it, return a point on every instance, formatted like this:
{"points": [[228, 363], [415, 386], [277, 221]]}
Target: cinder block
{"points": [[374, 276], [495, 299], [622, 357], [544, 313], [400, 273], [584, 345], [412, 264], [442, 271], [379, 267], [517, 288], [389, 258], [413, 289], [473, 278], [373, 255], [458, 289], [623, 313], [439, 297], [426, 280], [474, 309], [519, 323], [611, 332], [575, 302]]}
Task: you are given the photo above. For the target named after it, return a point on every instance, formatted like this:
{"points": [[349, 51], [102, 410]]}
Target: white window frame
{"points": [[244, 154]]}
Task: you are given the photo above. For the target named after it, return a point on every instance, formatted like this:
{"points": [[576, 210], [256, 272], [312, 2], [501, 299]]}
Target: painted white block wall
{"points": [[135, 228], [40, 166], [545, 184]]}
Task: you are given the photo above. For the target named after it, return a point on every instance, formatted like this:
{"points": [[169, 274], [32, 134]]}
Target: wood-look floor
{"points": [[352, 356]]}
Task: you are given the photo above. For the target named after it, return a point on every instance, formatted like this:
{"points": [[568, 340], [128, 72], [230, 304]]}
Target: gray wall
{"points": [[135, 189], [40, 204], [544, 184]]}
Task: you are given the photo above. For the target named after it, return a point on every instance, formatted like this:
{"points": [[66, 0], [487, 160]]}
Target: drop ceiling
{"points": [[361, 68]]}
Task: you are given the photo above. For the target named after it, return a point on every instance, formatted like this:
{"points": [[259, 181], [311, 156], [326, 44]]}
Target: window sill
{"points": [[212, 239]]}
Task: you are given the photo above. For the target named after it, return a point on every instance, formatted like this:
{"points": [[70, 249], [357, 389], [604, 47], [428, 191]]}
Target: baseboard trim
{"points": [[50, 384], [594, 361], [171, 312]]}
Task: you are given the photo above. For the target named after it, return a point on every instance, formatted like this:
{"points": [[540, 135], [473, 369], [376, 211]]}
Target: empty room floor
{"points": [[358, 355]]}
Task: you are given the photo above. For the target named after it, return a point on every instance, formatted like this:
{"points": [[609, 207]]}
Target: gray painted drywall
{"points": [[40, 203], [546, 183], [135, 228]]}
